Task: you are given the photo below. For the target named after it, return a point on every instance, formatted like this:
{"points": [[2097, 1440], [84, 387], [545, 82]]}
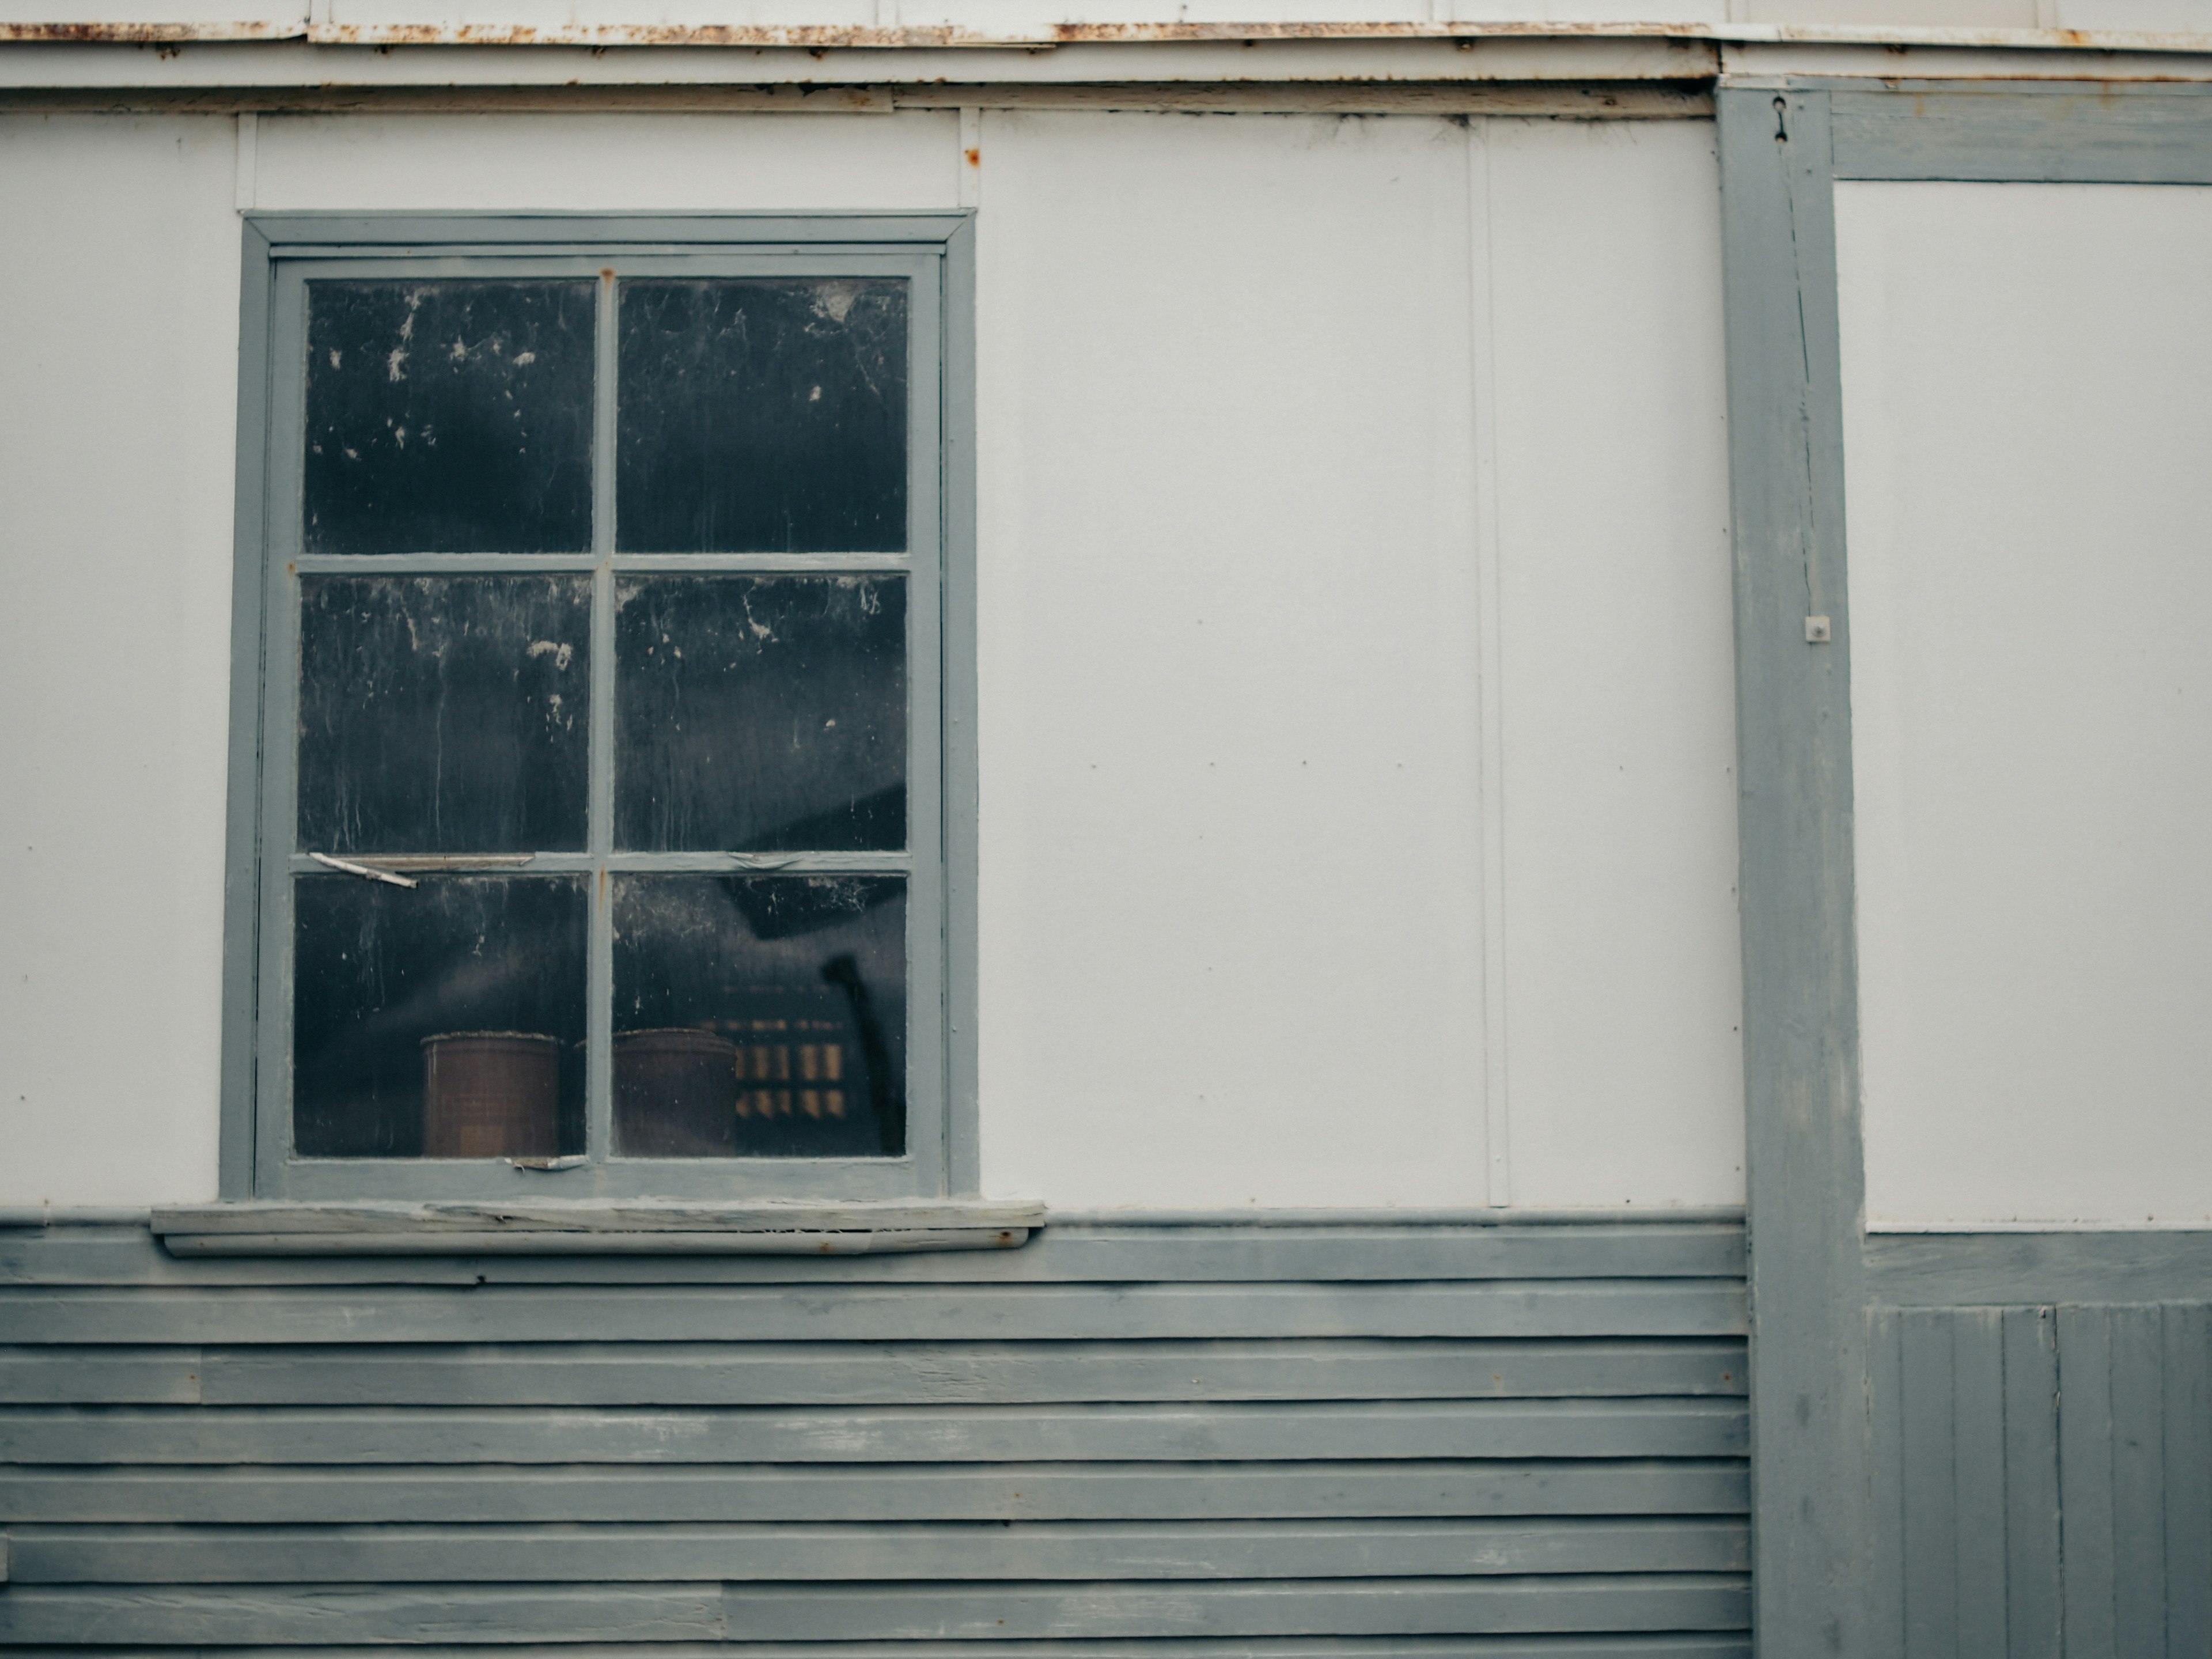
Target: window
{"points": [[598, 799]]}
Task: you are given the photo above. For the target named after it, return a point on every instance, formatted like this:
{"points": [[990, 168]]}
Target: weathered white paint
{"points": [[1231, 715], [1623, 982], [2027, 442], [118, 454], [1230, 872], [609, 163]]}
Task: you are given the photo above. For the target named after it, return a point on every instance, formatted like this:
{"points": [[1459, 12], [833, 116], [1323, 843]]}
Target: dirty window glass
{"points": [[448, 417], [599, 648], [444, 713], [443, 1020], [760, 714], [759, 1016], [762, 417]]}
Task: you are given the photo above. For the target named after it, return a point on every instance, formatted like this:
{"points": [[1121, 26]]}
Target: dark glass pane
{"points": [[762, 417], [446, 1020], [444, 713], [449, 417], [758, 712], [760, 1016]]}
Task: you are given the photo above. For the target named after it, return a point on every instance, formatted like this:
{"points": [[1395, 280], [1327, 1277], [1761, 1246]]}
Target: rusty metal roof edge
{"points": [[815, 39]]}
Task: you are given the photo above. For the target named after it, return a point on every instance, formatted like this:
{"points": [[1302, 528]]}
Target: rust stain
{"points": [[821, 39], [974, 158]]}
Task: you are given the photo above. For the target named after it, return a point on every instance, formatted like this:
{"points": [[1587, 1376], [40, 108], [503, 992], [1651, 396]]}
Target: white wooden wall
{"points": [[2029, 459], [1310, 877]]}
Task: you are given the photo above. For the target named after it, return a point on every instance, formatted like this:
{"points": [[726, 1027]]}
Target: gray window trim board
{"points": [[942, 1156], [1783, 144]]}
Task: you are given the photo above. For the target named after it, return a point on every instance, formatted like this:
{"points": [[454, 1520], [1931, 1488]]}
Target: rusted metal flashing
{"points": [[1684, 100], [939, 38]]}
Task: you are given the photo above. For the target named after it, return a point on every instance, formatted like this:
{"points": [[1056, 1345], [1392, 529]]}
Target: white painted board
{"points": [[118, 458], [1623, 990], [2026, 439], [1235, 792]]}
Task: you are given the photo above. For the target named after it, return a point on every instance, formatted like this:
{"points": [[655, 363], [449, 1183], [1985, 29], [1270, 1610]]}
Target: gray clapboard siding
{"points": [[128, 1255], [1156, 1550], [619, 1374], [1697, 1645], [582, 1492], [1594, 1308], [1335, 1440], [909, 1434], [541, 1613]]}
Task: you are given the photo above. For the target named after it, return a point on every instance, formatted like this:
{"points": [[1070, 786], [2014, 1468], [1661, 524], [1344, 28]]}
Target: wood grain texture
{"points": [[1089, 1253], [803, 1553], [2023, 1269], [1804, 1169], [1581, 1308], [509, 1614], [2043, 1480], [718, 1374], [582, 1492], [1341, 1431], [2004, 135]]}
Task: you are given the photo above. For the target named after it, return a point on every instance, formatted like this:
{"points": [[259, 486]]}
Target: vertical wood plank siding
{"points": [[2044, 1480], [1143, 1440]]}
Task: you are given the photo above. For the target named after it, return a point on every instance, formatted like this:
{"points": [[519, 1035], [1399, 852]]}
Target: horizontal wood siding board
{"points": [[99, 1376], [910, 1434], [107, 1615], [1699, 1644], [275, 1495], [706, 1374], [1955, 1270], [543, 1613], [121, 1255], [2085, 137], [1376, 1606], [1717, 1645], [1601, 1308], [1154, 1550]]}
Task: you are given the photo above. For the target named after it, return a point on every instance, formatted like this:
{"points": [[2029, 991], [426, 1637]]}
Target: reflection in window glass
{"points": [[762, 417], [758, 713], [449, 417], [444, 713], [446, 1020], [760, 1016]]}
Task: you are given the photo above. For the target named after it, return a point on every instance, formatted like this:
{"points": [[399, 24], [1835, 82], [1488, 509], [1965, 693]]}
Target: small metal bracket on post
{"points": [[1816, 630]]}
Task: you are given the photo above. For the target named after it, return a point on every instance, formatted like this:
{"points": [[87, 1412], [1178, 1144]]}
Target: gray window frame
{"points": [[1784, 145], [281, 252]]}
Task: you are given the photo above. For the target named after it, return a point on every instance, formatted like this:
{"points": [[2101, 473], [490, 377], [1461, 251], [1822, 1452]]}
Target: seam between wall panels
{"points": [[1491, 760]]}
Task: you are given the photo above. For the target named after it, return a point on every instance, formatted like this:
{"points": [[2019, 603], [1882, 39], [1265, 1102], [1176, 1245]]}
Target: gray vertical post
{"points": [[1810, 1441]]}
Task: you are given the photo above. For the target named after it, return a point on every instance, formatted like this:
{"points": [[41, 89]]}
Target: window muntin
{"points": [[726, 865]]}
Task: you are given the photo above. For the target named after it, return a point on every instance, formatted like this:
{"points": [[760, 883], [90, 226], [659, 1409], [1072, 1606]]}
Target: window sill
{"points": [[866, 1228]]}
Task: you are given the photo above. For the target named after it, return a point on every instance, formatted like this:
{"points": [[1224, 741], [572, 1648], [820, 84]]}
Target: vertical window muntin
{"points": [[285, 1169]]}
